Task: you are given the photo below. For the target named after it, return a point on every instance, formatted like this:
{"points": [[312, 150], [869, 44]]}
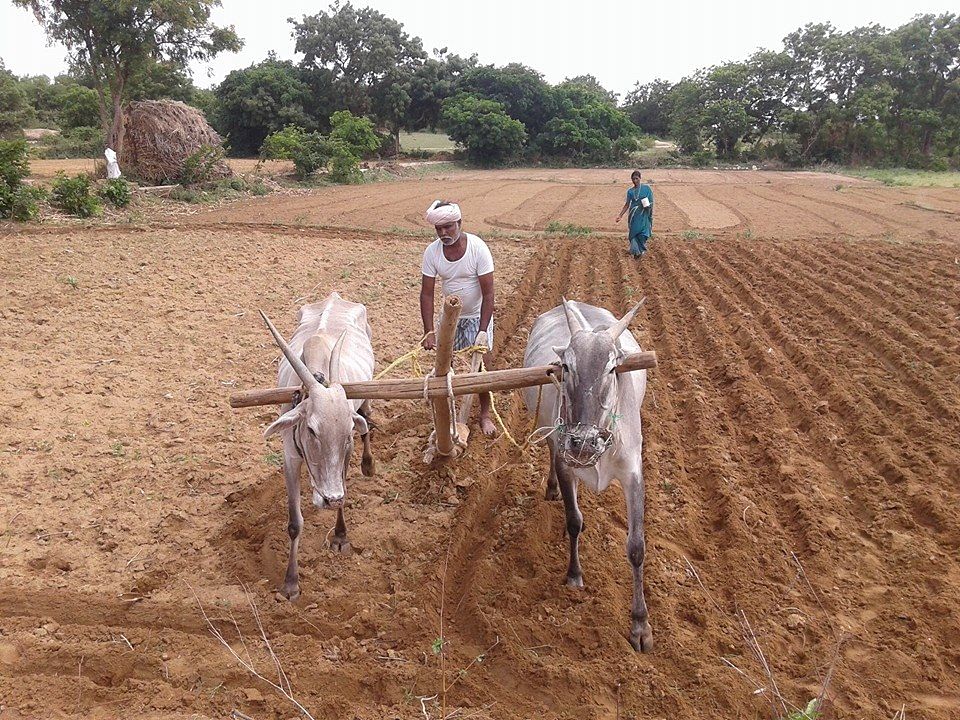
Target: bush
{"points": [[202, 167], [345, 166], [25, 203], [309, 151], [483, 127], [116, 192], [78, 142], [14, 166], [357, 133], [258, 188], [701, 158], [186, 195], [17, 201], [73, 195]]}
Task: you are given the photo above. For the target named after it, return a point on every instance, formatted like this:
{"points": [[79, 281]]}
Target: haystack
{"points": [[158, 135]]}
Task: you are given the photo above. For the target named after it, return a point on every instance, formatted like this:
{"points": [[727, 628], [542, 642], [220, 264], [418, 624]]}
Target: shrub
{"points": [[483, 128], [202, 167], [310, 151], [258, 188], [186, 195], [702, 158], [357, 133], [345, 165], [78, 142], [116, 192], [14, 166], [17, 201], [25, 203], [73, 195]]}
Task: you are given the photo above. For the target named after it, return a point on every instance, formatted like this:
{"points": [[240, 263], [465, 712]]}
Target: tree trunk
{"points": [[115, 138]]}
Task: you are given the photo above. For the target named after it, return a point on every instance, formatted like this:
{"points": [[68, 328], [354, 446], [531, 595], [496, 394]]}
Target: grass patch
{"points": [[273, 458], [426, 141], [904, 177], [568, 229], [691, 235]]}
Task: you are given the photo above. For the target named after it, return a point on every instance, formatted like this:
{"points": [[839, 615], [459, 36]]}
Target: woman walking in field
{"points": [[640, 220]]}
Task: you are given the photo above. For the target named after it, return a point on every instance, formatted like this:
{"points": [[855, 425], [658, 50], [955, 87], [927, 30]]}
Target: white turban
{"points": [[443, 214]]}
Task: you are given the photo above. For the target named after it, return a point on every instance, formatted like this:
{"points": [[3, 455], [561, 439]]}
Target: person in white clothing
{"points": [[464, 265]]}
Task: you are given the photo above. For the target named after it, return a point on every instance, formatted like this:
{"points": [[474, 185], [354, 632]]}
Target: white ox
{"points": [[330, 346], [597, 436]]}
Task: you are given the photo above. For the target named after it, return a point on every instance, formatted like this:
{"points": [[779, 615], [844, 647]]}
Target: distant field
{"points": [[425, 141], [911, 178]]}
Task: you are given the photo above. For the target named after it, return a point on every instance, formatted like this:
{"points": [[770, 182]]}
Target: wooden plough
{"points": [[441, 386]]}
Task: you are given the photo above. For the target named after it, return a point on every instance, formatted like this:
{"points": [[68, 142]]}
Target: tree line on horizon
{"points": [[865, 96]]}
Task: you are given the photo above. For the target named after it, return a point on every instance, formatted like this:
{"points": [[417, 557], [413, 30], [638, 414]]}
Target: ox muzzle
{"points": [[581, 445]]}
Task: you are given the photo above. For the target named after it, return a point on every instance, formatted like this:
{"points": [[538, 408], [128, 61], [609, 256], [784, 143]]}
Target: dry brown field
{"points": [[801, 457]]}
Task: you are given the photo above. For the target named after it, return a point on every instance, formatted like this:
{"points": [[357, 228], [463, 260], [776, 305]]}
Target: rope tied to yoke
{"points": [[536, 436]]}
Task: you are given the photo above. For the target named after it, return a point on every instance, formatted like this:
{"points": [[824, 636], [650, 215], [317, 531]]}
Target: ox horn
{"points": [[624, 322], [309, 381], [573, 318], [335, 358]]}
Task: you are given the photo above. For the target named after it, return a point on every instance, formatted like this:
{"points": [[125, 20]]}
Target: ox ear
{"points": [[623, 323], [360, 424], [559, 351], [288, 419]]}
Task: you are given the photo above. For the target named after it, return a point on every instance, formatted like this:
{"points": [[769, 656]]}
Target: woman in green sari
{"points": [[640, 204]]}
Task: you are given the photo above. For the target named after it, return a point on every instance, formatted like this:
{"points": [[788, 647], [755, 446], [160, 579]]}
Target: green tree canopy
{"points": [[355, 49], [483, 128], [259, 100]]}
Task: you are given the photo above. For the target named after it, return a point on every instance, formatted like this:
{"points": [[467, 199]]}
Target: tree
{"points": [[259, 100], [483, 128], [356, 133], [593, 132], [15, 111], [391, 102], [583, 89], [355, 49], [114, 40], [523, 92], [432, 82], [78, 108], [647, 107]]}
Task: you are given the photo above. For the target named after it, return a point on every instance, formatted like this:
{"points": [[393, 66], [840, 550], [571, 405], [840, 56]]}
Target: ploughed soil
{"points": [[801, 455]]}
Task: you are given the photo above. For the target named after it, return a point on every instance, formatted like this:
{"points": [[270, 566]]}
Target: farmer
{"points": [[464, 265], [640, 220]]}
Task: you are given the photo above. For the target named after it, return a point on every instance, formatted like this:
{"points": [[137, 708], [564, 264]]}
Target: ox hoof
{"points": [[553, 492], [291, 591], [340, 545], [642, 639], [368, 467], [575, 582]]}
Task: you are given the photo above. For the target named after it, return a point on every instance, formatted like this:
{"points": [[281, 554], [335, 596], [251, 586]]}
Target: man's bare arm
{"points": [[486, 305], [427, 286]]}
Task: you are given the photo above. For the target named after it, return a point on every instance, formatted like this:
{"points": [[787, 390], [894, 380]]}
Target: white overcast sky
{"points": [[618, 42]]}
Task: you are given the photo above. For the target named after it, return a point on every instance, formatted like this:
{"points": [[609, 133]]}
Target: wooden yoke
{"points": [[412, 388], [442, 418]]}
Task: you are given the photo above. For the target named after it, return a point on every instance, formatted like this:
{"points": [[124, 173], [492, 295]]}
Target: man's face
{"points": [[449, 232]]}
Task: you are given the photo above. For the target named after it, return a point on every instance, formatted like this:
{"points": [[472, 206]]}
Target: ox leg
{"points": [[291, 474], [641, 635], [339, 542], [553, 488], [568, 489], [368, 465]]}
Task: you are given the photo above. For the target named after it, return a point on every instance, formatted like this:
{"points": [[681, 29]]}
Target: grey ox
{"points": [[330, 346], [596, 419]]}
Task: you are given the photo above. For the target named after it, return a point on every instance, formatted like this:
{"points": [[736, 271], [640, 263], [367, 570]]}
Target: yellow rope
{"points": [[413, 355]]}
